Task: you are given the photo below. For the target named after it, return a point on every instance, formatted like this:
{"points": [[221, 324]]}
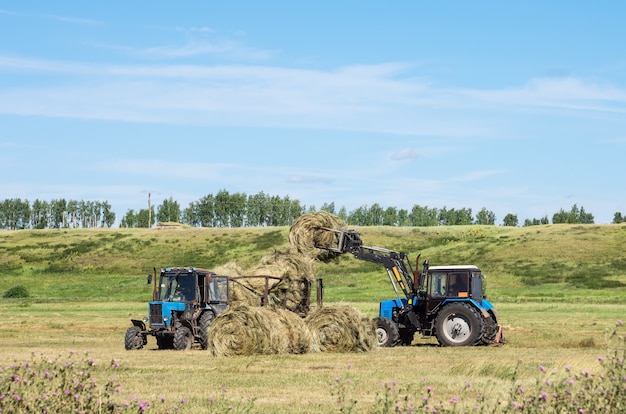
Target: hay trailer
{"points": [[447, 302], [186, 300]]}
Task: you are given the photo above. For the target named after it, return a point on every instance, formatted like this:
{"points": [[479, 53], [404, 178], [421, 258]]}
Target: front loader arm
{"points": [[396, 263]]}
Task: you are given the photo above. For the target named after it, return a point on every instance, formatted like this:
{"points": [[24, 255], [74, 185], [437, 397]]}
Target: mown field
{"points": [[559, 290]]}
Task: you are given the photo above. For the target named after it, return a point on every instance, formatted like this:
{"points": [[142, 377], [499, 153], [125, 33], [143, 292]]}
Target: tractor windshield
{"points": [[178, 287]]}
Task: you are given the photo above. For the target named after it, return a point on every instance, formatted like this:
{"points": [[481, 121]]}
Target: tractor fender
{"points": [[138, 323], [483, 310]]}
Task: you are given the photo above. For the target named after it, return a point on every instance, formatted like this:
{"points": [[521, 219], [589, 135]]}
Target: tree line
{"points": [[17, 214], [226, 209]]}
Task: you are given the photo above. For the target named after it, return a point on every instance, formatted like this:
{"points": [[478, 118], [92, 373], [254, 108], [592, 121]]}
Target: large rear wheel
{"points": [[386, 332], [183, 339], [134, 339], [490, 330], [458, 324]]}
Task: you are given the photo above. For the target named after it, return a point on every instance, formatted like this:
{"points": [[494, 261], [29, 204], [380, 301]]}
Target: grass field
{"points": [[559, 291]]}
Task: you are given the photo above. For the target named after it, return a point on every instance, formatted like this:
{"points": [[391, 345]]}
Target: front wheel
{"points": [[183, 339], [134, 339], [386, 332], [458, 324], [205, 322]]}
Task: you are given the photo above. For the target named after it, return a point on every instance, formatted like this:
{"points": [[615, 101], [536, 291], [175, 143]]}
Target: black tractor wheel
{"points": [[205, 322], [183, 339], [458, 324], [490, 330], [134, 339], [386, 332]]}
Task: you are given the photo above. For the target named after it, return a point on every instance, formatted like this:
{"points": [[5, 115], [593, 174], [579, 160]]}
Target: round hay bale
{"points": [[305, 234], [341, 328], [299, 338], [248, 330]]}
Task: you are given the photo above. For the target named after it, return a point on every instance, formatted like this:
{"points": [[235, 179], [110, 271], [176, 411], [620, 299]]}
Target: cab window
{"points": [[458, 284], [438, 284]]}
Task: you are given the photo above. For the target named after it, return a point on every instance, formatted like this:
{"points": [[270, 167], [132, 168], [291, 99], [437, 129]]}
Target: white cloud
{"points": [[404, 154], [358, 98]]}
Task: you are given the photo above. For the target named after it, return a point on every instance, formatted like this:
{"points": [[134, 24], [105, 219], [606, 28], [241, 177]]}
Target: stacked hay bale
{"points": [[341, 328], [247, 328], [255, 330]]}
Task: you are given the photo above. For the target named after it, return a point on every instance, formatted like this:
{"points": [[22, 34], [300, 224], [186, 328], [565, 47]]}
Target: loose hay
{"points": [[249, 330], [305, 234], [341, 328]]}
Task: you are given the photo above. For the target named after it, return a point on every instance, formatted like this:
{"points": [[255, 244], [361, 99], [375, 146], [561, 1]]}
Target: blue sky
{"points": [[519, 107]]}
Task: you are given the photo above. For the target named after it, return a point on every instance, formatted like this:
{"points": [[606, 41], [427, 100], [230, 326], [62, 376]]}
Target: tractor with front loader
{"points": [[447, 302]]}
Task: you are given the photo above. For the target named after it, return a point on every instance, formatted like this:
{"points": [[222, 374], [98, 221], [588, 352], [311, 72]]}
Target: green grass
{"points": [[559, 290], [553, 262], [552, 335]]}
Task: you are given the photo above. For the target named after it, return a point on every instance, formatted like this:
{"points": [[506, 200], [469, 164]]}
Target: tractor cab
{"points": [[178, 287], [454, 282], [185, 292], [445, 283]]}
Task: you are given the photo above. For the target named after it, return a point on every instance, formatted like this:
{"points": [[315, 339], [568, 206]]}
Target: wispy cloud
{"points": [[404, 154], [562, 93], [380, 98], [74, 20], [192, 48]]}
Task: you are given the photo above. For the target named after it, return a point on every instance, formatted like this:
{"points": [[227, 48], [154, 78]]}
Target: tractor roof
{"points": [[455, 267]]}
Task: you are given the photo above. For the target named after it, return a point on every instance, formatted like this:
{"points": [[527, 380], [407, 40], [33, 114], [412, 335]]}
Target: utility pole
{"points": [[149, 212]]}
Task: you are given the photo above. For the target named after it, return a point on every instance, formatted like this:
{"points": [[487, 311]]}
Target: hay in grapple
{"points": [[305, 233], [341, 328]]}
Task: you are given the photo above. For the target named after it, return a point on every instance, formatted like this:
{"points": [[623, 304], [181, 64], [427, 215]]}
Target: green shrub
{"points": [[16, 292]]}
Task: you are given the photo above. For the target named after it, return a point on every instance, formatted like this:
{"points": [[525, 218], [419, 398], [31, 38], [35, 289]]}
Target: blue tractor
{"points": [[447, 302], [185, 300]]}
